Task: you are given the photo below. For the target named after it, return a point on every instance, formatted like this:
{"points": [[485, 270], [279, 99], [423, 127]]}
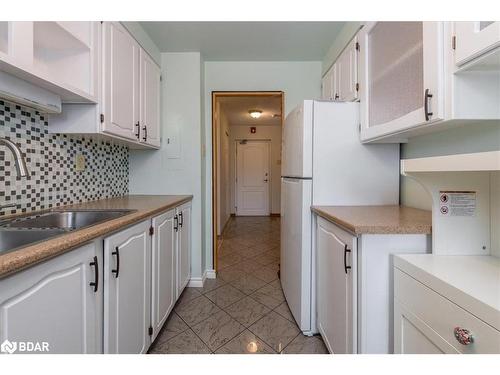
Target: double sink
{"points": [[22, 231]]}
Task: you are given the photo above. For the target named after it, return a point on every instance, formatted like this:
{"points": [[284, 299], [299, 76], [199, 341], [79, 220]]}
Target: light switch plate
{"points": [[79, 162]]}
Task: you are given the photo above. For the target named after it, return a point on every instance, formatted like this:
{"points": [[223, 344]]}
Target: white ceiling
{"points": [[236, 110], [246, 41]]}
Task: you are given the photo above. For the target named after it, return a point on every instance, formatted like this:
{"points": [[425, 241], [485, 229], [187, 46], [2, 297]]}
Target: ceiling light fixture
{"points": [[255, 113]]}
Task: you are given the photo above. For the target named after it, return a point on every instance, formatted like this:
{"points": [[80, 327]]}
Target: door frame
{"points": [[270, 180], [215, 157]]}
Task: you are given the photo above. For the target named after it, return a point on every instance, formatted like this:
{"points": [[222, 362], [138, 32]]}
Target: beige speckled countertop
{"points": [[377, 219], [145, 205]]}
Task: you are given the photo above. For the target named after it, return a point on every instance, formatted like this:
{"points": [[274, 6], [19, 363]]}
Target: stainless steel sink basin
{"points": [[67, 220], [11, 239]]}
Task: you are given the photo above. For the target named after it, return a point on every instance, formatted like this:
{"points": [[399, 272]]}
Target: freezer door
{"points": [[297, 141], [295, 266]]}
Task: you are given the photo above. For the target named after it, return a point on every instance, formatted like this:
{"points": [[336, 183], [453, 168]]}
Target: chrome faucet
{"points": [[22, 170]]}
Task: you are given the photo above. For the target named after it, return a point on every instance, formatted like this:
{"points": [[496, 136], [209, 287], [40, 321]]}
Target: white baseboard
{"points": [[210, 274], [197, 282]]}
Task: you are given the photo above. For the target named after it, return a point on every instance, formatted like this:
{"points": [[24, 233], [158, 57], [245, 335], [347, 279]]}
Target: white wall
{"points": [[299, 80], [271, 133], [223, 175], [176, 169]]}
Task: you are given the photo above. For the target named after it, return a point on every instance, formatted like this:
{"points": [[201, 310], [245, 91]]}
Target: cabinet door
{"points": [[150, 101], [336, 290], [55, 302], [127, 298], [401, 73], [475, 38], [164, 269], [327, 85], [184, 247], [121, 82], [347, 73]]}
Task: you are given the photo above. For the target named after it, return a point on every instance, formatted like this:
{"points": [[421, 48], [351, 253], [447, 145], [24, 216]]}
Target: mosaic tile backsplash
{"points": [[53, 179]]}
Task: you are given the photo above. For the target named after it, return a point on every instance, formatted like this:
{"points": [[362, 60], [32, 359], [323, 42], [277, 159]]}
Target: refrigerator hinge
{"points": [[454, 42]]}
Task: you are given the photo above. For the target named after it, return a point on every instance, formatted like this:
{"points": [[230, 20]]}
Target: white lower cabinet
{"points": [[58, 302], [127, 293], [427, 322], [183, 228], [111, 296], [354, 286], [164, 291], [336, 251]]}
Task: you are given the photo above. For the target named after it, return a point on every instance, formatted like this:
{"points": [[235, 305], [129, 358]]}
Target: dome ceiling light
{"points": [[255, 113]]}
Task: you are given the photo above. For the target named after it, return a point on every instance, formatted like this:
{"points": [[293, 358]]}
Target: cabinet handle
{"points": [[145, 130], [181, 219], [346, 267], [427, 98], [95, 283], [176, 223], [138, 129], [463, 336], [117, 270]]}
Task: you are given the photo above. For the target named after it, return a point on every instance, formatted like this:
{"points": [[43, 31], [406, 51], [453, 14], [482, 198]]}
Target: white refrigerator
{"points": [[324, 163]]}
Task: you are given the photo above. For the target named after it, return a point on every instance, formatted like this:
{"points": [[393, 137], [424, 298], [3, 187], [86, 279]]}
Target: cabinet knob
{"points": [[463, 336]]}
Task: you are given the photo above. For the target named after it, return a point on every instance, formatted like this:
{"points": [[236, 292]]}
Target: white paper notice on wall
{"points": [[457, 203]]}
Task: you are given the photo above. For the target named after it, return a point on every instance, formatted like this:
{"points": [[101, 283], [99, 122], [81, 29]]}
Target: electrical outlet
{"points": [[79, 162]]}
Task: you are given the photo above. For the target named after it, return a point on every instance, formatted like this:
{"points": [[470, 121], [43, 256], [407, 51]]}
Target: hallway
{"points": [[244, 309]]}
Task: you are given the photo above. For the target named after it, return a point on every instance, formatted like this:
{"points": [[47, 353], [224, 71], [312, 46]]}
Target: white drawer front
{"points": [[443, 316]]}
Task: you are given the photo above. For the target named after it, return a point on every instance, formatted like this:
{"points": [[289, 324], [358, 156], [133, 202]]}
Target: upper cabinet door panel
{"points": [[121, 82], [150, 101], [473, 38], [401, 72], [348, 73]]}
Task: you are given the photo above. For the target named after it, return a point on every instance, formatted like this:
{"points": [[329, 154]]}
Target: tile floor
{"points": [[244, 309]]}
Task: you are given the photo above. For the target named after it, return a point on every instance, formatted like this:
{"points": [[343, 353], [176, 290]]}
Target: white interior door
{"points": [[252, 178]]}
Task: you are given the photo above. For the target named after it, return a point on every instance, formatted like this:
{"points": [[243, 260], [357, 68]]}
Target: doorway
{"points": [[246, 152], [252, 178]]}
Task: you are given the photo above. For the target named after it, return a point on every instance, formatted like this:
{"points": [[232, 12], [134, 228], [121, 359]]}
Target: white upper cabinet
{"points": [[401, 75], [120, 101], [150, 78], [347, 73], [328, 84], [62, 57], [474, 39]]}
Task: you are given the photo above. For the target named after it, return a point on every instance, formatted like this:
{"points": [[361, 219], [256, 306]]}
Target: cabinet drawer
{"points": [[442, 315]]}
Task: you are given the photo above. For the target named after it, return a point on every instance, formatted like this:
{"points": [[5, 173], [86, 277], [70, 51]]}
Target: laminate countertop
{"points": [[144, 206], [377, 219]]}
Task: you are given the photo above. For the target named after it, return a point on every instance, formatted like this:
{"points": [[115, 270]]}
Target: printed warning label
{"points": [[457, 203]]}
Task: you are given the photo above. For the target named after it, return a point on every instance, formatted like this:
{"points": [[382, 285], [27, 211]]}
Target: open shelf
{"points": [[475, 162]]}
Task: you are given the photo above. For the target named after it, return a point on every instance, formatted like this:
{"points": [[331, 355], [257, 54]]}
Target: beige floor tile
{"points": [[185, 343], [173, 326], [245, 343], [285, 312], [187, 295], [225, 295], [217, 330], [197, 310], [248, 284], [275, 330], [306, 345], [266, 274], [231, 273], [211, 284], [247, 311], [266, 258]]}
